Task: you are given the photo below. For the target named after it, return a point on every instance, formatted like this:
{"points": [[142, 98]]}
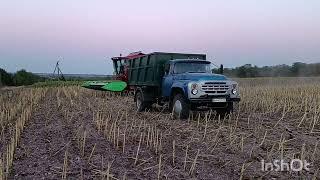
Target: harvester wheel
{"points": [[180, 107]]}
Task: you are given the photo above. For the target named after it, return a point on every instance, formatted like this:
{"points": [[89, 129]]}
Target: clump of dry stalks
{"points": [[15, 113]]}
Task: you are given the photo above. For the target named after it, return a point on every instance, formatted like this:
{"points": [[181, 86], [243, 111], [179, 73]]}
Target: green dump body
{"points": [[148, 70]]}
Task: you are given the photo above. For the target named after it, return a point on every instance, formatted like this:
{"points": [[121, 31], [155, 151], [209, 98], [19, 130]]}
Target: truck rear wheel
{"points": [[141, 105], [180, 107], [139, 102]]}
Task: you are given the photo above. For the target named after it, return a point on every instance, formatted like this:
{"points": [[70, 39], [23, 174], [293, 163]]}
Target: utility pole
{"points": [[57, 73]]}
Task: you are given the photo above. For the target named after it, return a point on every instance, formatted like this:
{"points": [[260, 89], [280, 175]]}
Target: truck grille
{"points": [[215, 87]]}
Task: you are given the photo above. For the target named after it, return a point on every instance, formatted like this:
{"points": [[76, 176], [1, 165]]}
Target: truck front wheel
{"points": [[180, 107]]}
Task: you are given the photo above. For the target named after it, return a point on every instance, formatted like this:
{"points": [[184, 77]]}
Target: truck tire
{"points": [[225, 111], [180, 107], [141, 105]]}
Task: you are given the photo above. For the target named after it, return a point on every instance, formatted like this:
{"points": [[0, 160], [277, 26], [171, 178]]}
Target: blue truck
{"points": [[183, 81]]}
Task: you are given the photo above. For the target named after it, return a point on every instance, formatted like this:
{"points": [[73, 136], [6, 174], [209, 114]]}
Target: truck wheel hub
{"points": [[138, 102], [177, 108]]}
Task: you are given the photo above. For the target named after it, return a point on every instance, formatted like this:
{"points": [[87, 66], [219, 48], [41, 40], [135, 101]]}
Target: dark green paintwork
{"points": [[149, 69]]}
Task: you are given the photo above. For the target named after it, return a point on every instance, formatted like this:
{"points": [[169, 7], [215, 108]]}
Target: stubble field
{"points": [[75, 133]]}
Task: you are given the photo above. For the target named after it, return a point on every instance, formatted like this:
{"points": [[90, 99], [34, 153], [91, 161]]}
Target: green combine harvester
{"points": [[121, 69]]}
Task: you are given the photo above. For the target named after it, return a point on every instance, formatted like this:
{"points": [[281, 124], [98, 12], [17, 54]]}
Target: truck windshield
{"points": [[191, 67]]}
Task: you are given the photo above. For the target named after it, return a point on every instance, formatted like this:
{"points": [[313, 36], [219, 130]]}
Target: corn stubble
{"points": [[15, 112], [278, 118]]}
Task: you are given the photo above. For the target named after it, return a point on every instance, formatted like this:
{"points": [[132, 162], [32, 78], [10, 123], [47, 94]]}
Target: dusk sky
{"points": [[84, 35]]}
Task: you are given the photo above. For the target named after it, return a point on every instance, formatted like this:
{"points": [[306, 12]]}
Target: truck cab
{"points": [[189, 84]]}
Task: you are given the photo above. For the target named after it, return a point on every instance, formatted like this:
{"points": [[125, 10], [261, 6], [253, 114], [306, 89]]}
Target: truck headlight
{"points": [[194, 86], [234, 86], [194, 91], [234, 91]]}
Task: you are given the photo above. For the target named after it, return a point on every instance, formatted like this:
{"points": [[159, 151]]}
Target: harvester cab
{"points": [[121, 65]]}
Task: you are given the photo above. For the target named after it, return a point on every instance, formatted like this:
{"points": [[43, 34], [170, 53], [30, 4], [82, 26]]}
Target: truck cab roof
{"points": [[189, 60]]}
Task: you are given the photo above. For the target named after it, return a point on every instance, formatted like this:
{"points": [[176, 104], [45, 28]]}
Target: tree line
{"points": [[20, 78], [297, 69], [23, 78]]}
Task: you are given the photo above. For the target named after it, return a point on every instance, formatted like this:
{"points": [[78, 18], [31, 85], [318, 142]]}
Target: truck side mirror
{"points": [[166, 68], [221, 69]]}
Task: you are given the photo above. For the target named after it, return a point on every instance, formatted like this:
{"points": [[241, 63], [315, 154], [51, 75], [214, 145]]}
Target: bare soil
{"points": [[93, 135]]}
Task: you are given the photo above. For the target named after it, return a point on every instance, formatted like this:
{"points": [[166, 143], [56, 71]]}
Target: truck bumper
{"points": [[209, 101]]}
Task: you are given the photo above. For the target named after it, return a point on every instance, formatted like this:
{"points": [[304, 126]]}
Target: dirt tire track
{"points": [[40, 153], [104, 152], [203, 171]]}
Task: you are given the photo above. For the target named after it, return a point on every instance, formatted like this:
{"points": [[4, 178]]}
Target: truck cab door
{"points": [[167, 80]]}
